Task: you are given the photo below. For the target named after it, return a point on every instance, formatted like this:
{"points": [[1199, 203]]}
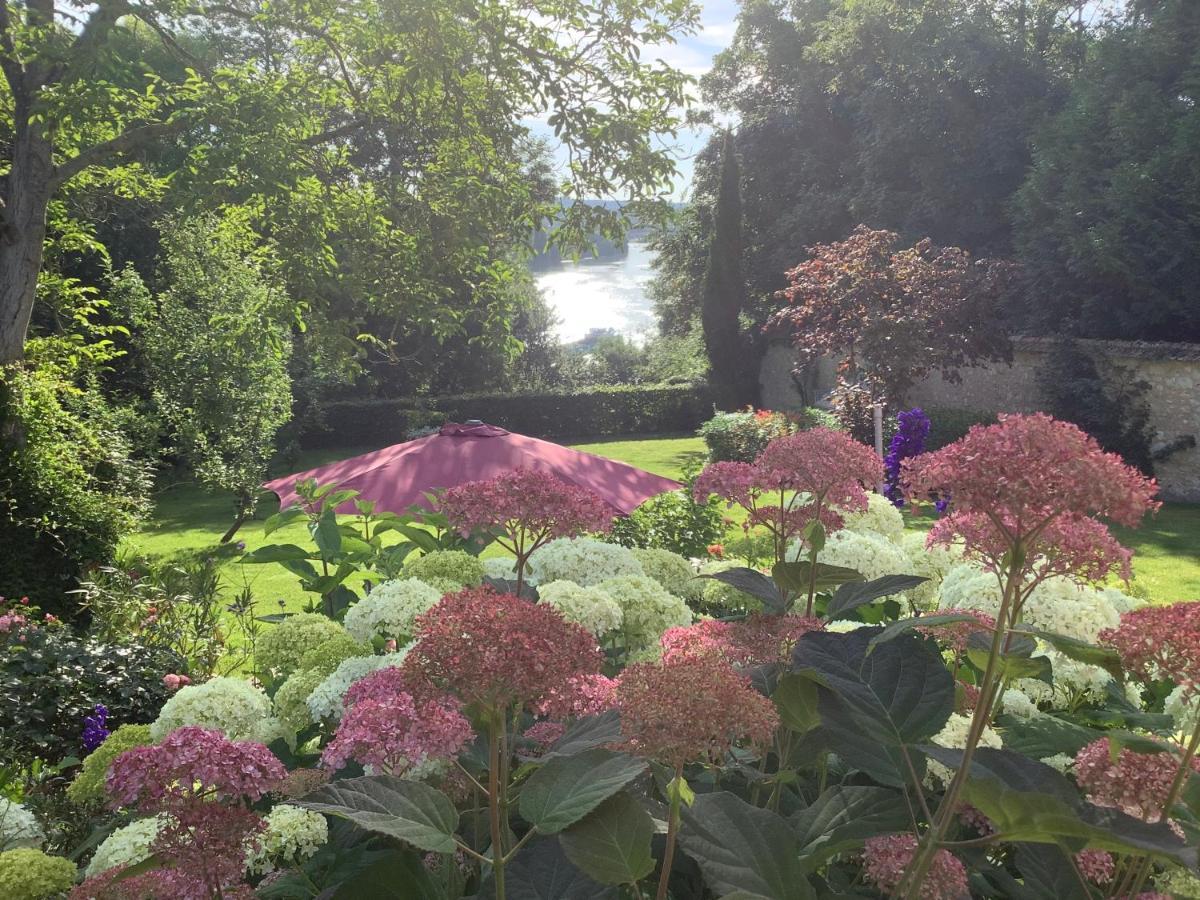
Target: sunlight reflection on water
{"points": [[606, 294]]}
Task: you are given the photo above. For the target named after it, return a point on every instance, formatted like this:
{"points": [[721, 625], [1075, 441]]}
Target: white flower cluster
{"points": [[18, 827], [1074, 682], [127, 846], [1018, 704], [292, 835], [505, 568], [880, 517], [1183, 705], [588, 607], [870, 554], [291, 700], [279, 649], [233, 706], [390, 609], [954, 735], [929, 562], [647, 610], [672, 571], [585, 561], [325, 701]]}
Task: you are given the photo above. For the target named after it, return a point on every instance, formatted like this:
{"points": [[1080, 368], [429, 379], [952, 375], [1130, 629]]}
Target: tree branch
{"points": [[99, 154], [91, 37], [14, 73]]}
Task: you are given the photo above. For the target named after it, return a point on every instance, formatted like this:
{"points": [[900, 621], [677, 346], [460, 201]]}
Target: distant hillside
{"points": [[549, 257]]}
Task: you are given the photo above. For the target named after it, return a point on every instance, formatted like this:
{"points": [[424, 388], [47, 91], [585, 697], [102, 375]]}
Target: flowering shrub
{"points": [[585, 561], [672, 571], [290, 836], [325, 700], [740, 436], [28, 874], [18, 827], [647, 610], [279, 649], [588, 607], [127, 846], [454, 566], [230, 705], [88, 785], [526, 508], [390, 610], [886, 858], [912, 427]]}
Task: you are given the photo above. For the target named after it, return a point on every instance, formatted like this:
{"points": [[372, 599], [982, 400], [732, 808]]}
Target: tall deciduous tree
{"points": [[893, 313], [724, 290], [315, 109]]}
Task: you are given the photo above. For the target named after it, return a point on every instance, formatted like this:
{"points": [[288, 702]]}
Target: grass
{"points": [[188, 522]]}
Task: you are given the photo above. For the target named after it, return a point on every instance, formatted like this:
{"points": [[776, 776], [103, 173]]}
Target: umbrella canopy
{"points": [[397, 477]]}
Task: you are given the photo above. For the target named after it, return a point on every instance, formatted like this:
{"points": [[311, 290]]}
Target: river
{"points": [[593, 294]]}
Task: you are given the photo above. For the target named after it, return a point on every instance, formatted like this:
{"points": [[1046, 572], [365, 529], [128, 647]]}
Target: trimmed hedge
{"points": [[596, 411]]}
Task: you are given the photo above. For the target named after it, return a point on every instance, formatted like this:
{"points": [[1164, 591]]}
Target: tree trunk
{"points": [[26, 197]]}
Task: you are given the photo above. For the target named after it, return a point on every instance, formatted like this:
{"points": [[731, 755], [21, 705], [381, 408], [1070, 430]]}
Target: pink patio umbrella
{"points": [[398, 476]]}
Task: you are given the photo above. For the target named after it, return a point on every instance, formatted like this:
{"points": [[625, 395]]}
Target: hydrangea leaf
{"points": [[874, 704], [1081, 651], [843, 817], [612, 843], [542, 871], [567, 788], [587, 733], [412, 811], [754, 583], [743, 850], [850, 596], [1045, 735], [904, 626], [1029, 801]]}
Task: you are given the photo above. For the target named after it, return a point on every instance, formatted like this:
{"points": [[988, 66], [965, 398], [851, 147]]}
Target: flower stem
{"points": [[494, 809], [672, 835]]}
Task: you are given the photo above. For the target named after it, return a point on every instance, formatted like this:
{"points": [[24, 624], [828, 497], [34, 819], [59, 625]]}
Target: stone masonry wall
{"points": [[1172, 371]]}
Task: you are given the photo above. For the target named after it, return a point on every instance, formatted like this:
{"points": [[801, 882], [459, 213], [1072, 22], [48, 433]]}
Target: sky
{"points": [[691, 54]]}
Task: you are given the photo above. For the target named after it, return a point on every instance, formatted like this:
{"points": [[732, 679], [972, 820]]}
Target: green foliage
{"points": [[1105, 400], [70, 489], [53, 679], [27, 874], [88, 785], [216, 343], [741, 436], [947, 425], [1104, 218], [597, 411], [673, 521]]}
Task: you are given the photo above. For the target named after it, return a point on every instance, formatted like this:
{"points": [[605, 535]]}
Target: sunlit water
{"points": [[600, 294]]}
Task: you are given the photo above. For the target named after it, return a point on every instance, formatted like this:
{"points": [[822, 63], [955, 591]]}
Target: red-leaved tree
{"points": [[894, 314]]}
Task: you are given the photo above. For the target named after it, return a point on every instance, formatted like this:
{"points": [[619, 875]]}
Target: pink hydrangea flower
{"points": [[1159, 642], [393, 734], [755, 640], [691, 708], [885, 859], [1096, 866], [544, 734], [580, 695], [1034, 481], [497, 651], [1136, 783]]}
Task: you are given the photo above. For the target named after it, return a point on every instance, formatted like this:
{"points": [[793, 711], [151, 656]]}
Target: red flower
{"points": [[885, 859], [1136, 783], [1159, 642], [756, 640], [495, 650], [691, 708]]}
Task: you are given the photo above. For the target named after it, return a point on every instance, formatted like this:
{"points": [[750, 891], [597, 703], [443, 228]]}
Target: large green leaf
{"points": [[795, 698], [1029, 801], [282, 518], [852, 595], [874, 704], [743, 849], [587, 733], [612, 843], [796, 576], [754, 583], [542, 871], [1105, 657], [412, 811], [276, 553], [906, 626], [567, 788], [1048, 873], [326, 534], [845, 816], [1045, 735]]}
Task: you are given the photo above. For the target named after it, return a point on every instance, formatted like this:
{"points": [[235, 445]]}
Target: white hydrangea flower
{"points": [[233, 706], [1074, 682], [588, 607], [390, 609], [19, 827], [504, 568], [647, 610], [672, 571], [325, 701], [1017, 704], [929, 562], [126, 846], [1064, 607], [1120, 601], [292, 835], [966, 586], [869, 554], [954, 736], [1183, 705], [1061, 762], [585, 561], [844, 626], [880, 517]]}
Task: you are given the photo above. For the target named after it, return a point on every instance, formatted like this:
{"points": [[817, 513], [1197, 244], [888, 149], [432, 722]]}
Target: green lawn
{"points": [[188, 521]]}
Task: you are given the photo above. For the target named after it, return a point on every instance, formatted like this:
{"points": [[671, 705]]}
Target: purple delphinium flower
{"points": [[907, 442], [95, 730]]}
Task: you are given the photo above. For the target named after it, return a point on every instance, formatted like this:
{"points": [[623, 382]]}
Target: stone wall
{"points": [[1172, 371]]}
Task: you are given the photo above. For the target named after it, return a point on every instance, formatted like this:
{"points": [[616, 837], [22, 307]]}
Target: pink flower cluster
{"points": [[756, 640], [1136, 783], [1159, 642], [1096, 866], [396, 732], [691, 708], [796, 479], [1033, 480], [174, 682], [191, 763], [497, 651], [580, 695], [888, 856], [538, 503]]}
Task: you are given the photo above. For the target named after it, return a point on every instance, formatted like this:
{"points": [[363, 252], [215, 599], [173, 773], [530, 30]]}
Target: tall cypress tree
{"points": [[729, 355]]}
